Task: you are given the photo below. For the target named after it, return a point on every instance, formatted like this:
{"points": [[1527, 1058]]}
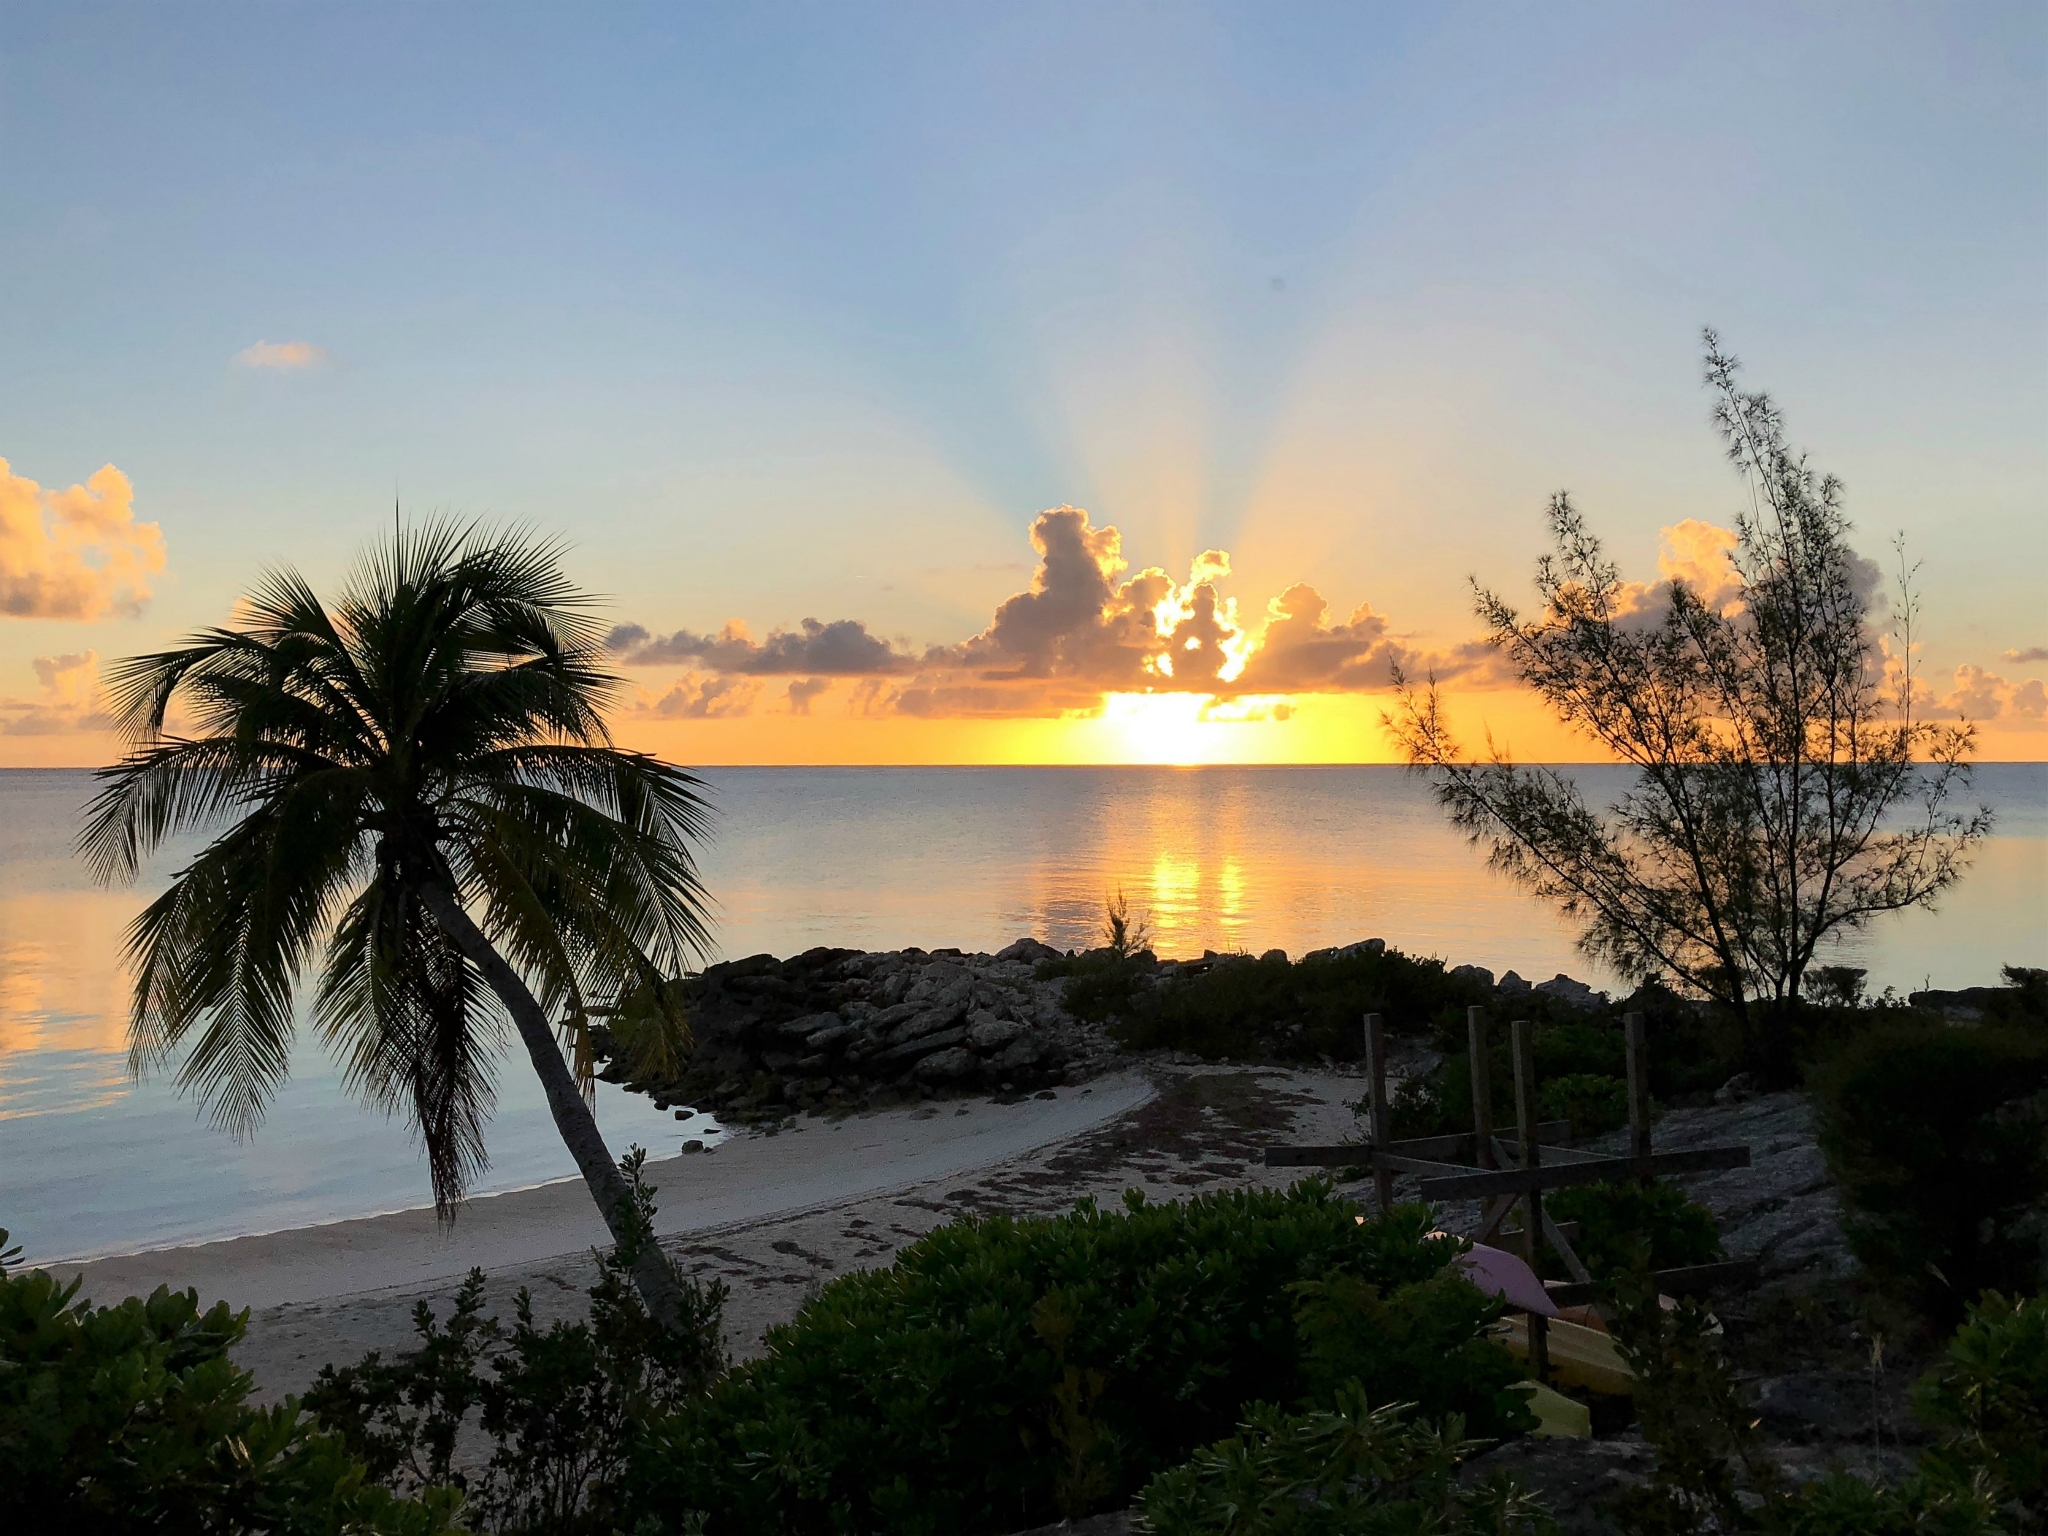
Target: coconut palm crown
{"points": [[414, 793]]}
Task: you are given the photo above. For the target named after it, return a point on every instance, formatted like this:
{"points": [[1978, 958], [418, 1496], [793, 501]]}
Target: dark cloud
{"points": [[843, 648], [2027, 657]]}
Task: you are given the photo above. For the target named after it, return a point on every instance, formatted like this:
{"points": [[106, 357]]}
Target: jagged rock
{"points": [[986, 1032], [1478, 973], [810, 1024], [1566, 990], [1029, 951], [948, 1065], [1512, 985], [1275, 954], [926, 1021], [922, 1046], [1024, 1051]]}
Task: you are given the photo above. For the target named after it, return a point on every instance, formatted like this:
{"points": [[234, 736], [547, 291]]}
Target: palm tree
{"points": [[415, 791]]}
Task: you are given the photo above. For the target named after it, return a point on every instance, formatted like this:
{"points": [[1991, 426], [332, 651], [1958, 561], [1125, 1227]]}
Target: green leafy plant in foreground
{"points": [[1625, 1226], [1346, 1470], [131, 1418], [1003, 1371], [1939, 1137], [1983, 1478], [559, 1405]]}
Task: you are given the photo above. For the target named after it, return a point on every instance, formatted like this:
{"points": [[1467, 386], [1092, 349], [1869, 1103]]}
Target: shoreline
{"points": [[810, 1166]]}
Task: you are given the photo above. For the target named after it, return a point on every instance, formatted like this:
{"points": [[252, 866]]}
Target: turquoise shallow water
{"points": [[1214, 858]]}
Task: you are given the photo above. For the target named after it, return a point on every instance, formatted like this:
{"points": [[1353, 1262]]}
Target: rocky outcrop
{"points": [[840, 1028]]}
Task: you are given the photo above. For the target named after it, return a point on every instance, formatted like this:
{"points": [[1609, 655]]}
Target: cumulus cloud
{"points": [[843, 648], [801, 692], [1088, 628], [68, 699], [1983, 695], [76, 553], [282, 356], [2028, 657], [697, 696]]}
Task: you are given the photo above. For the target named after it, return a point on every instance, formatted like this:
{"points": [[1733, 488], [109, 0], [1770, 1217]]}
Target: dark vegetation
{"points": [[561, 1406], [1003, 1372], [1351, 1469], [1985, 1474], [131, 1418], [1939, 1135]]}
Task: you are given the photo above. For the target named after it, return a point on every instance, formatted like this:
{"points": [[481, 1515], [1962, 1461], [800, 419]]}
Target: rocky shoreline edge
{"points": [[843, 1030]]}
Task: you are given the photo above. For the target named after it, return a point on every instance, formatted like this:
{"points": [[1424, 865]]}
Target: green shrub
{"points": [[1424, 1344], [1593, 1104], [1245, 1009], [1989, 1396], [1983, 1478], [1348, 1470], [1006, 1370], [131, 1418], [1939, 1137], [1627, 1226], [560, 1405]]}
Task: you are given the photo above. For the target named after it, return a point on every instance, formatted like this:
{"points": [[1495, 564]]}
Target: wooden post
{"points": [[1382, 1123], [1638, 1062], [1524, 1044], [1480, 1049]]}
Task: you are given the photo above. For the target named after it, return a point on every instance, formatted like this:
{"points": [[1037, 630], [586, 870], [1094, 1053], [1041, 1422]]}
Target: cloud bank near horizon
{"points": [[1088, 629]]}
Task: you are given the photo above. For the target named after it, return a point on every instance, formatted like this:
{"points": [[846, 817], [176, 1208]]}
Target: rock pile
{"points": [[839, 1028]]}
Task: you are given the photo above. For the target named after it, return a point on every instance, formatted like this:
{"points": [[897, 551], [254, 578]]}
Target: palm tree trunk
{"points": [[656, 1281]]}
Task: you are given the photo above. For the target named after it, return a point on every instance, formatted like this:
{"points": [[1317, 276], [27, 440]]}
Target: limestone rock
{"points": [[948, 1065], [987, 1032]]}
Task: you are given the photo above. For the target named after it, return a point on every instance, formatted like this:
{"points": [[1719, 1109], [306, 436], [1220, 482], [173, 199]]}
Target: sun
{"points": [[1184, 729]]}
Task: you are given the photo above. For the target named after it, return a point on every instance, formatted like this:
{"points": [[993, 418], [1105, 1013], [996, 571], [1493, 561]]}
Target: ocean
{"points": [[93, 1163]]}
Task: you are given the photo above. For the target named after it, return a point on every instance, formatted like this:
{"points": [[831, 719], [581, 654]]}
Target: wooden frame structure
{"points": [[1480, 1165]]}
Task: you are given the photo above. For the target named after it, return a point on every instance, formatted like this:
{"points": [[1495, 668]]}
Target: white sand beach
{"points": [[772, 1217]]}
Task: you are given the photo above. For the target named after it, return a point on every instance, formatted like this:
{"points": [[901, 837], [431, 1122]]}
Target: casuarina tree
{"points": [[413, 793], [1787, 789]]}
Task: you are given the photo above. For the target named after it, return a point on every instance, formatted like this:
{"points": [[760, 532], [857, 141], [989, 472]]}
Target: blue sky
{"points": [[780, 311]]}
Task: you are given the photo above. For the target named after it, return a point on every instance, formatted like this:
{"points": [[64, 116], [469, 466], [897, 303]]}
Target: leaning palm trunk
{"points": [[571, 1111], [430, 748]]}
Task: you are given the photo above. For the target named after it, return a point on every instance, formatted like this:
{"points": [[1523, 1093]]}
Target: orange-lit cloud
{"points": [[1983, 695], [1085, 632], [282, 356], [2032, 655], [76, 553], [696, 696], [68, 702]]}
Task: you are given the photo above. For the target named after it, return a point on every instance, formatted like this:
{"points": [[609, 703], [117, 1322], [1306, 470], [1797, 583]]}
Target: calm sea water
{"points": [[1214, 858]]}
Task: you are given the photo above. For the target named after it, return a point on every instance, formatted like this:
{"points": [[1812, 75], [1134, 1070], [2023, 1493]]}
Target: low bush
{"points": [[560, 1406], [1624, 1227], [1939, 1138], [1989, 1398], [1983, 1476], [131, 1418], [1004, 1371], [1249, 1009], [1593, 1104], [1346, 1470]]}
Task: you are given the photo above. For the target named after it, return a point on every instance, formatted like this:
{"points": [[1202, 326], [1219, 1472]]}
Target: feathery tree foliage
{"points": [[413, 791], [1786, 789]]}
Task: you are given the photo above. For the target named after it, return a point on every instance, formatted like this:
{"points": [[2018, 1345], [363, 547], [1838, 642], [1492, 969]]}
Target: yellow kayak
{"points": [[1579, 1357], [1557, 1417]]}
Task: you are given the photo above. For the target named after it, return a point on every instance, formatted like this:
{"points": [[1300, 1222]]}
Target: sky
{"points": [[1011, 383]]}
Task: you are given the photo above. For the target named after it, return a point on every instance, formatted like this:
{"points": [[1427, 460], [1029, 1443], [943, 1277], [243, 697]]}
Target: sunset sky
{"points": [[1011, 382]]}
